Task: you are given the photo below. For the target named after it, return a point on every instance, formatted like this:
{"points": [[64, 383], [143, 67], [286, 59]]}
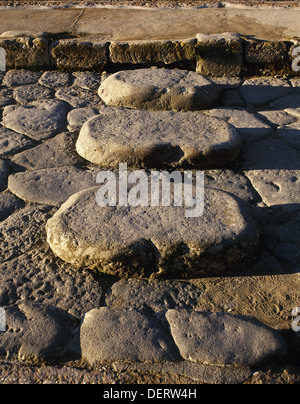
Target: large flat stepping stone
{"points": [[160, 89], [39, 120], [151, 139], [154, 241]]}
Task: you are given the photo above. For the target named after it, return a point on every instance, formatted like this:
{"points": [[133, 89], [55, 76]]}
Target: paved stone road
{"points": [[41, 170]]}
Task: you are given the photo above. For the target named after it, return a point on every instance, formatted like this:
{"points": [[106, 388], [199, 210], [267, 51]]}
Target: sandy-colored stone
{"points": [[159, 89], [154, 241], [151, 139]]}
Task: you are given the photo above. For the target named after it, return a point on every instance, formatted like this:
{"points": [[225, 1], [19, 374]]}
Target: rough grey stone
{"points": [[40, 120], [289, 101], [87, 80], [51, 186], [261, 91], [55, 79], [6, 97], [295, 112], [232, 98], [78, 97], [151, 139], [153, 295], [79, 116], [26, 338], [15, 78], [22, 231], [12, 142], [40, 277], [154, 241], [273, 169], [224, 339], [277, 117], [159, 89], [8, 204], [4, 172], [32, 92], [248, 124], [57, 152], [124, 335], [290, 134]]}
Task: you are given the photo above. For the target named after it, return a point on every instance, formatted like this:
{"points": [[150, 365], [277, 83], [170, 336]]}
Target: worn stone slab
{"points": [[219, 55], [224, 339], [22, 231], [139, 52], [56, 152], [77, 117], [55, 79], [40, 120], [154, 241], [15, 78], [37, 275], [8, 204], [87, 80], [277, 117], [51, 186], [78, 97], [32, 92], [263, 90], [26, 339], [290, 134], [12, 142], [272, 166], [6, 97], [79, 55], [4, 172], [124, 335], [289, 101], [159, 89], [248, 124], [153, 295], [157, 138]]}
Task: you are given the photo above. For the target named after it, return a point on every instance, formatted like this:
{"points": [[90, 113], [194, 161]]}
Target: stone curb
{"points": [[227, 54]]}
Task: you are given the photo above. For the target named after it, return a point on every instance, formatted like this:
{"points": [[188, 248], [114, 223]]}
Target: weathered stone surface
{"points": [[79, 116], [78, 97], [51, 186], [87, 80], [8, 204], [289, 101], [273, 169], [4, 172], [6, 97], [154, 241], [290, 134], [40, 277], [40, 120], [30, 93], [248, 125], [159, 89], [22, 231], [138, 52], [153, 295], [151, 139], [73, 55], [107, 335], [57, 152], [55, 79], [26, 338], [263, 90], [26, 53], [277, 117], [223, 339], [15, 78], [12, 142], [219, 55]]}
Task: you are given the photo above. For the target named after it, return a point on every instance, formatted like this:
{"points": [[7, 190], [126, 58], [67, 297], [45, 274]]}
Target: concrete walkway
{"points": [[136, 23]]}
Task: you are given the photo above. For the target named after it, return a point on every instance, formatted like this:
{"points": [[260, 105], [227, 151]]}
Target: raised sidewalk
{"points": [[103, 38]]}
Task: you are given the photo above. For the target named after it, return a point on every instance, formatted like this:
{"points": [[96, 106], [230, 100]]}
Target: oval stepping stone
{"points": [[160, 89], [154, 241], [40, 120], [150, 139]]}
